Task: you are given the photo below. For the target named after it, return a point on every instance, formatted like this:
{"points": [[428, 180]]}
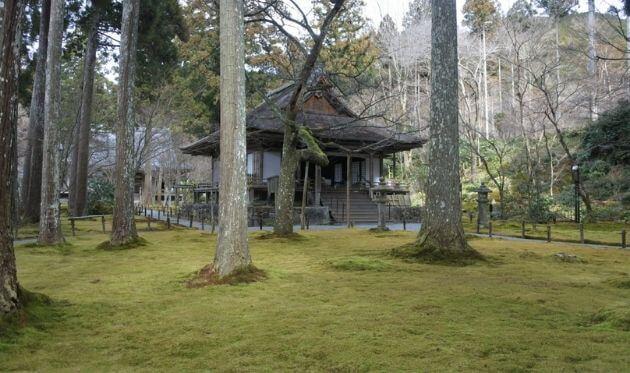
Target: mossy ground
{"points": [[332, 301]]}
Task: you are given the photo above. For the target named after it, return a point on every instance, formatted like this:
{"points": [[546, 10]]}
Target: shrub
{"points": [[100, 197]]}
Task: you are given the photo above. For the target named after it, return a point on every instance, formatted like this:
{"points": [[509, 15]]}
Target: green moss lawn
{"points": [[333, 301]]}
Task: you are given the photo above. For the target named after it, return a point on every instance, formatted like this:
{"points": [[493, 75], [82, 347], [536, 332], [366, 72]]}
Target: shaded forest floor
{"points": [[333, 300]]}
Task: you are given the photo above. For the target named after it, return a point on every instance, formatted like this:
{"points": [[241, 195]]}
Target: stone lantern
{"points": [[379, 196], [483, 213]]}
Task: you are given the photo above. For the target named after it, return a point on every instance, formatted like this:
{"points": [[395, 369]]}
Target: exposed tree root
{"points": [[379, 230], [288, 237], [32, 308], [427, 250], [133, 244], [208, 277]]}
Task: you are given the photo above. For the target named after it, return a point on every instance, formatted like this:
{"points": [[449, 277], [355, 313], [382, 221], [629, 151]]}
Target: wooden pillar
{"points": [[348, 182], [394, 164], [380, 166], [371, 169], [318, 185], [304, 197], [261, 161]]}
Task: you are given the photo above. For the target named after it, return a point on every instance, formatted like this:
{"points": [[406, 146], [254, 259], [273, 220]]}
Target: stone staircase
{"points": [[362, 209]]}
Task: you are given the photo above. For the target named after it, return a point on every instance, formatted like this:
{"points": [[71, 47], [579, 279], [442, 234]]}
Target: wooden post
{"points": [[371, 169], [190, 221], [103, 223], [523, 229], [548, 233], [581, 232], [490, 229], [623, 238], [177, 216], [72, 225], [348, 182], [145, 212], [168, 222], [159, 211], [404, 219], [478, 227], [203, 226], [304, 198]]}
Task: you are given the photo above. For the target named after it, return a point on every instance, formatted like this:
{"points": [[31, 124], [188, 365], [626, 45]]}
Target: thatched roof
{"points": [[326, 114]]}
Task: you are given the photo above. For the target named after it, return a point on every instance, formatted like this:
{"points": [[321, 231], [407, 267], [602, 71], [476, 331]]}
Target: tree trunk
{"points": [[123, 224], [50, 214], [147, 190], [232, 250], [442, 233], [285, 196], [85, 117], [9, 70], [32, 172], [592, 61]]}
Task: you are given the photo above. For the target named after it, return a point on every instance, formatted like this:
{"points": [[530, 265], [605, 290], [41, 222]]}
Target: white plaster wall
{"points": [[271, 164], [376, 168], [250, 163], [216, 173]]}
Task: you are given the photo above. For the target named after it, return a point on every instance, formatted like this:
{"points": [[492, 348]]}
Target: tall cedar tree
{"points": [[442, 233], [81, 151], [50, 213], [232, 252], [32, 171], [9, 69], [124, 226]]}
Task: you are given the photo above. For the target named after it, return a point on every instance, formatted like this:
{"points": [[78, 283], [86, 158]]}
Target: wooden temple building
{"points": [[353, 171]]}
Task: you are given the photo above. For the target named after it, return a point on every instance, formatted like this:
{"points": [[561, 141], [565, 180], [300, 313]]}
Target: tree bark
{"points": [[9, 70], [232, 251], [123, 224], [50, 214], [32, 172], [442, 233]]}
